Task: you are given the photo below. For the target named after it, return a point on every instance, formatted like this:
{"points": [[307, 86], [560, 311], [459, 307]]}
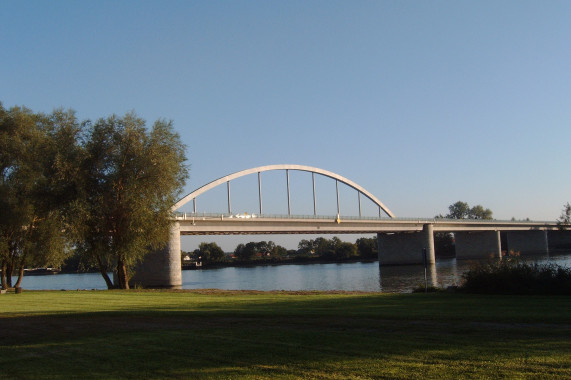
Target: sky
{"points": [[422, 103]]}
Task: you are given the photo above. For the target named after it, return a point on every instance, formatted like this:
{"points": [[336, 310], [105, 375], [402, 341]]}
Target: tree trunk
{"points": [[20, 277], [9, 272], [103, 271], [4, 283], [122, 278], [21, 266]]}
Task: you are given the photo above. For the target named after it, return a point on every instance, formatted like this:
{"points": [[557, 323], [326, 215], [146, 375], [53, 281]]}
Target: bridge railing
{"points": [[190, 215]]}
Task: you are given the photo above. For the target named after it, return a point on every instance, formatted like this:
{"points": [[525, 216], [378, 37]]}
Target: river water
{"points": [[346, 276]]}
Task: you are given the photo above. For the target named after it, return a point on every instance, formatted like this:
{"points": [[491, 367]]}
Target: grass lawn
{"points": [[258, 335]]}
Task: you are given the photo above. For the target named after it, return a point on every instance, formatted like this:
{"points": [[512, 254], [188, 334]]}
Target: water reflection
{"points": [[349, 276]]}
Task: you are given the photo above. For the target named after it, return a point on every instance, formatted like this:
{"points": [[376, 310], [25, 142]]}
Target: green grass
{"points": [[259, 335]]}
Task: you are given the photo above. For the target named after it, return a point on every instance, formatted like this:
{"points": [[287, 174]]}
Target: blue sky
{"points": [[423, 103]]}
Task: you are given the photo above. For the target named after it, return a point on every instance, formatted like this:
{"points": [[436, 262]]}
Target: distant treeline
{"points": [[320, 249]]}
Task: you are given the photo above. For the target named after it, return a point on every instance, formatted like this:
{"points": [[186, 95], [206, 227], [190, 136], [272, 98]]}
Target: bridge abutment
{"points": [[478, 245], [528, 242], [406, 248], [162, 268]]}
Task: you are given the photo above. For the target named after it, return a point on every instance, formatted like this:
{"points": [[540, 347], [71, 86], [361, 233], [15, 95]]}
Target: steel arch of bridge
{"points": [[226, 179]]}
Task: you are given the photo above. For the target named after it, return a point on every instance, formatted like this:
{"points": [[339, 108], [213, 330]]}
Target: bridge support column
{"points": [[406, 247], [527, 242], [478, 245], [162, 268], [428, 232]]}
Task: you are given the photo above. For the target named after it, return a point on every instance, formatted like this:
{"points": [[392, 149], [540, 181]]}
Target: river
{"points": [[346, 276]]}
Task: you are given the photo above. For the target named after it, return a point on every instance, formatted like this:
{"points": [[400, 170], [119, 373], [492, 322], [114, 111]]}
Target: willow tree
{"points": [[132, 178], [38, 186]]}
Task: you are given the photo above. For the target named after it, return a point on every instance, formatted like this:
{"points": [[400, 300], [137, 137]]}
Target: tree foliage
{"points": [[39, 186], [209, 253], [345, 250], [461, 210], [335, 249], [250, 250], [458, 210], [564, 220], [368, 247], [478, 212], [245, 251], [306, 247], [444, 244]]}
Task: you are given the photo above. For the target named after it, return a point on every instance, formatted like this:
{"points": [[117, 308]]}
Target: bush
{"points": [[511, 276]]}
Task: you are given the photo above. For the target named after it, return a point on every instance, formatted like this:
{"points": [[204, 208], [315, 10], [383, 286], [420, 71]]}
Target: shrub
{"points": [[511, 276], [423, 289]]}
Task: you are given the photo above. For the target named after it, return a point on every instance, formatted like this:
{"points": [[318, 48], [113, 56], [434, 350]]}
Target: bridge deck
{"points": [[220, 224]]}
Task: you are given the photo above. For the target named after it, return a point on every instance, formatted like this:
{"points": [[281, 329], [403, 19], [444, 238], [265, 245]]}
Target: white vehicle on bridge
{"points": [[244, 216]]}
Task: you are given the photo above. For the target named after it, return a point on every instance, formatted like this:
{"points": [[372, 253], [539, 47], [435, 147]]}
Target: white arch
{"points": [[260, 169]]}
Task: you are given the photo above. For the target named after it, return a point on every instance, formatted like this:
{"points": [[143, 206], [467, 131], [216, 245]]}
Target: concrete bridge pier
{"points": [[406, 247], [162, 268], [478, 245], [528, 242]]}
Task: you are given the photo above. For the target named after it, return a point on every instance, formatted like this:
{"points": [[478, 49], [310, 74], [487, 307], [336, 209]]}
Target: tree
{"points": [[279, 251], [367, 247], [325, 247], [38, 188], [345, 250], [478, 212], [458, 210], [306, 247], [210, 253], [565, 219], [333, 248], [444, 244], [132, 179], [265, 247], [246, 251], [461, 210]]}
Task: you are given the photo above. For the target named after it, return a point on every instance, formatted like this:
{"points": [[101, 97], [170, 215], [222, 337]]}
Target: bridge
{"points": [[400, 240]]}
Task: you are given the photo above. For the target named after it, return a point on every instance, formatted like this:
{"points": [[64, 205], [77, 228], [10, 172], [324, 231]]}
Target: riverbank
{"points": [[298, 260], [244, 334], [280, 261]]}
